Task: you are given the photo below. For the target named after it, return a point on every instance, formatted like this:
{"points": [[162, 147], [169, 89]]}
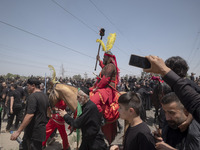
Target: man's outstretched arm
{"points": [[26, 121], [187, 95]]}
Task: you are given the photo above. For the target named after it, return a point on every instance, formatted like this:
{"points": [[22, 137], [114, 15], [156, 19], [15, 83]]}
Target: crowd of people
{"points": [[166, 87]]}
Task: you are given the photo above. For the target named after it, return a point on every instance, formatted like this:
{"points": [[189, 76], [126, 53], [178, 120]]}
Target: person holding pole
{"points": [[104, 90]]}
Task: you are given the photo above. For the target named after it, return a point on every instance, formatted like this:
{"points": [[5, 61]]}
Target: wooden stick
{"points": [[101, 32]]}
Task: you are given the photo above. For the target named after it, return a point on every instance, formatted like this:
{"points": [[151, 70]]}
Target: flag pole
{"points": [[101, 32]]}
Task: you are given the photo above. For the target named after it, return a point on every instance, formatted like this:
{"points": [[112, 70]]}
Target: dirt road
{"points": [[7, 144]]}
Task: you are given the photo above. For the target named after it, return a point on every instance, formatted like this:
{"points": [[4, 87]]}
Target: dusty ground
{"points": [[7, 144]]}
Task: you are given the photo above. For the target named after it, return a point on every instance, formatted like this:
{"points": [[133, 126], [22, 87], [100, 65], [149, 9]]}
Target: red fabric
{"points": [[107, 103], [101, 64], [50, 127], [157, 78], [115, 63], [57, 122], [110, 131], [104, 81], [111, 111], [102, 97], [60, 105]]}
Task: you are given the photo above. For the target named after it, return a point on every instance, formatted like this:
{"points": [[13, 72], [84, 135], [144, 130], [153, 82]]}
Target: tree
{"points": [[9, 75], [77, 77]]}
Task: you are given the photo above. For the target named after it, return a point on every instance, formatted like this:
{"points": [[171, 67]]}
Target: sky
{"points": [[63, 33]]}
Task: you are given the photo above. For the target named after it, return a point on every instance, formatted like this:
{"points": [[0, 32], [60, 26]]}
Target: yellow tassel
{"points": [[54, 73], [102, 44], [110, 41]]}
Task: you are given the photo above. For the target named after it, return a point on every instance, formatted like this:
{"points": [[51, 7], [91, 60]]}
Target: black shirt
{"points": [[174, 137], [17, 102], [139, 137], [187, 140], [21, 91], [37, 104]]}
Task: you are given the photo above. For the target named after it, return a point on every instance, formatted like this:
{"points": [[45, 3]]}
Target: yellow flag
{"points": [[110, 41]]}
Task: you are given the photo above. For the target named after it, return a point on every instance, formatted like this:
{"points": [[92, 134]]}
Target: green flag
{"points": [[79, 112]]}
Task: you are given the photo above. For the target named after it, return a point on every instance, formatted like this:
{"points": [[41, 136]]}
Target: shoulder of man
{"points": [[193, 85], [193, 136], [194, 128]]}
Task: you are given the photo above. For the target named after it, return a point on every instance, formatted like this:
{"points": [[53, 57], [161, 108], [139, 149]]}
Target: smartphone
{"points": [[139, 61]]}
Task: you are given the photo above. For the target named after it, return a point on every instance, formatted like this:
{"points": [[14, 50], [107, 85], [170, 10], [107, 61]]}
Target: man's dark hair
{"points": [[178, 65], [131, 100], [171, 97], [35, 81], [14, 85], [85, 90]]}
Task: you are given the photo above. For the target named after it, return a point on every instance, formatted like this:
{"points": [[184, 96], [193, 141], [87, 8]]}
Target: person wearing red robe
{"points": [[57, 122], [104, 92]]}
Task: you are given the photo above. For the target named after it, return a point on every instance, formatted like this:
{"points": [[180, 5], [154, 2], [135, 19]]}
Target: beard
{"points": [[172, 124]]}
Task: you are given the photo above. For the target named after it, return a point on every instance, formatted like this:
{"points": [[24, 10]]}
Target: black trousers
{"points": [[30, 144], [97, 143], [19, 115]]}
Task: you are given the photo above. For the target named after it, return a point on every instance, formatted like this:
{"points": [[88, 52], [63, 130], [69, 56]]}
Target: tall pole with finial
{"points": [[101, 33]]}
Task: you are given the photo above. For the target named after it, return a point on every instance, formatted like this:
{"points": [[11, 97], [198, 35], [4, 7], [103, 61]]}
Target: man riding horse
{"points": [[104, 90], [104, 93]]}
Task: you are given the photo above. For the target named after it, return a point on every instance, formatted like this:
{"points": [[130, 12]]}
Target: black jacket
{"points": [[90, 124], [189, 97]]}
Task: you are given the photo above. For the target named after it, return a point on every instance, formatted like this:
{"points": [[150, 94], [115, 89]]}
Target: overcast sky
{"points": [[38, 33]]}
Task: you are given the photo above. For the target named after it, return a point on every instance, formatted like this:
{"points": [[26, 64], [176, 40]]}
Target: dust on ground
{"points": [[7, 144]]}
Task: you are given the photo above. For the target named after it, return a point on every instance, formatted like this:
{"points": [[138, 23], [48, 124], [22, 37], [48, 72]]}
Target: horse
{"points": [[69, 93]]}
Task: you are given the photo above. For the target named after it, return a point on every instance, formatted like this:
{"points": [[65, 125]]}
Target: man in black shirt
{"points": [[35, 120], [172, 136], [15, 107], [89, 122]]}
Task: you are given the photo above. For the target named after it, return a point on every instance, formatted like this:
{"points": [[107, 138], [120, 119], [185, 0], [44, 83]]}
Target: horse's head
{"points": [[53, 97], [65, 92]]}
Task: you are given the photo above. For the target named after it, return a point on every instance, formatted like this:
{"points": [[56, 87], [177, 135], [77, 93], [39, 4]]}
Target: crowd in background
{"points": [[144, 85]]}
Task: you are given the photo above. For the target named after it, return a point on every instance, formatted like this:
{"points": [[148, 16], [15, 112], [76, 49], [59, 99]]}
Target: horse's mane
{"points": [[74, 88], [66, 92]]}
